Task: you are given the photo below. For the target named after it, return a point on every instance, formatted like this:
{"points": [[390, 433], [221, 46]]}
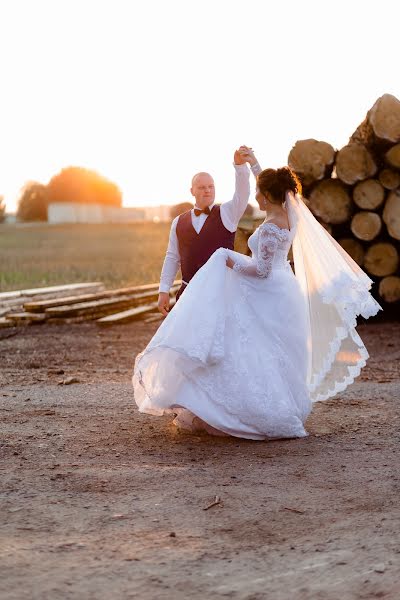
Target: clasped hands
{"points": [[243, 155]]}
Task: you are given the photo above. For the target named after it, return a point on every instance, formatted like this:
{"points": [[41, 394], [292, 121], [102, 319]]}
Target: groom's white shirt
{"points": [[231, 213]]}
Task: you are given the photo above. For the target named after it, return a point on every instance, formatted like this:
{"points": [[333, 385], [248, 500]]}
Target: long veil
{"points": [[337, 291]]}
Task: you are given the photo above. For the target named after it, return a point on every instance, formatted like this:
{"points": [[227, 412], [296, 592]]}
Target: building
{"points": [[74, 212]]}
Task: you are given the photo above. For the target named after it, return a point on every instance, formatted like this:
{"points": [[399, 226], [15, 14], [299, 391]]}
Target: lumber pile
{"points": [[76, 303], [355, 193], [14, 301]]}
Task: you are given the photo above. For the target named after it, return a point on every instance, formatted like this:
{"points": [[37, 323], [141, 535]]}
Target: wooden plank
{"points": [[105, 306], [55, 289], [132, 314], [42, 305], [102, 307], [26, 317], [5, 323], [127, 315]]}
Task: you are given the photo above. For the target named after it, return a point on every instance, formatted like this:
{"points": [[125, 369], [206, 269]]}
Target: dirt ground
{"points": [[100, 502]]}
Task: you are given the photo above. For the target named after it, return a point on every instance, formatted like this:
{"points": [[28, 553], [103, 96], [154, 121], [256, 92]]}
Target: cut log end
{"points": [[391, 214], [381, 126], [331, 201], [381, 259], [369, 194], [311, 160], [366, 225], [354, 163], [392, 156], [384, 117], [389, 178], [389, 288]]}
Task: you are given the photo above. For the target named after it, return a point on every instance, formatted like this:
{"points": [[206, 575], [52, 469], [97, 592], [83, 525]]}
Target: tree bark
{"points": [[311, 160], [331, 201], [391, 214], [381, 259], [369, 194], [354, 163]]}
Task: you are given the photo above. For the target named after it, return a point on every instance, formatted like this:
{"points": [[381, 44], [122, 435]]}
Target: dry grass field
{"points": [[117, 254]]}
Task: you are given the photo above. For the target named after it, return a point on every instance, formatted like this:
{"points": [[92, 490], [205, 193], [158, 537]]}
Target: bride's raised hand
{"points": [[248, 155]]}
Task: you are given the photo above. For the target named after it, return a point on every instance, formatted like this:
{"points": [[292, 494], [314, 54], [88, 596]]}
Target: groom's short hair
{"points": [[198, 175]]}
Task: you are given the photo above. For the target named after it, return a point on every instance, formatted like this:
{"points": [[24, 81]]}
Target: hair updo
{"points": [[277, 182]]}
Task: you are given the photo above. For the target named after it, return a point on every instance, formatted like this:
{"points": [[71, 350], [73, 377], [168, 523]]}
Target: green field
{"points": [[117, 254]]}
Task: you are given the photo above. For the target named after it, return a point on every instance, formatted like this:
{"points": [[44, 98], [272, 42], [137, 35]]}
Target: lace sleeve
{"points": [[261, 266]]}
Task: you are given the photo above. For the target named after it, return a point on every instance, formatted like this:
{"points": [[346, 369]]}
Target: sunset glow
{"points": [[148, 93]]}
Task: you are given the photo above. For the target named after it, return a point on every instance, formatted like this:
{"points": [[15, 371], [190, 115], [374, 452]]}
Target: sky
{"points": [[149, 92]]}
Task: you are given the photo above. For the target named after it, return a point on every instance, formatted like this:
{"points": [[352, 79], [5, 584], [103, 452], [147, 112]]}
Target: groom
{"points": [[197, 233]]}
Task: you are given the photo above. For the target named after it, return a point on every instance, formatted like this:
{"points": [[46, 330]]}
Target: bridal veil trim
{"points": [[337, 292]]}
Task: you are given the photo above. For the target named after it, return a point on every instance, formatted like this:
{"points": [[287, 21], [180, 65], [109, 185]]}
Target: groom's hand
{"points": [[238, 158], [163, 303], [247, 155]]}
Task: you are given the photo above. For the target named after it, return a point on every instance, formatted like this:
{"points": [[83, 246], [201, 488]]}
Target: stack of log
{"points": [[355, 193], [75, 303]]}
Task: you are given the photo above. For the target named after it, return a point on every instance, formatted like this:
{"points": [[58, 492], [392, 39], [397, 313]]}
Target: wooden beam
{"points": [[99, 308], [127, 315], [26, 317], [5, 323], [133, 314], [42, 305], [59, 290]]}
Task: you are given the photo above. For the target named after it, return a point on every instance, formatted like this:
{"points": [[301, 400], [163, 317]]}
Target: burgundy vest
{"points": [[196, 248]]}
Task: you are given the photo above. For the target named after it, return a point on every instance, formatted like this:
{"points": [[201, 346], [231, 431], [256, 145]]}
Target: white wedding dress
{"points": [[233, 351]]}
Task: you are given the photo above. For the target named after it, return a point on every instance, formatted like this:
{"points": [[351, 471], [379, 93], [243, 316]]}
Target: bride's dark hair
{"points": [[277, 182]]}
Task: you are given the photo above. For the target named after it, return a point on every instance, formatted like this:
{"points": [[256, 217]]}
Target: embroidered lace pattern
{"points": [[269, 245]]}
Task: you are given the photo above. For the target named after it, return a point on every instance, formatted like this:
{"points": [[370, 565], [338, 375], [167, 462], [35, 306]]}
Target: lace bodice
{"points": [[269, 245]]}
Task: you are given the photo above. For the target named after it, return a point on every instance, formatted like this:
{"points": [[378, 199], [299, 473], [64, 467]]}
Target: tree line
{"points": [[72, 184]]}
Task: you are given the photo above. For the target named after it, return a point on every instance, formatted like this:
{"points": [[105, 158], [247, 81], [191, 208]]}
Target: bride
{"points": [[250, 346]]}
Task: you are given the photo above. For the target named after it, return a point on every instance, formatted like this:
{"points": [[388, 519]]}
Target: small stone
{"points": [[380, 568], [70, 380], [172, 534]]}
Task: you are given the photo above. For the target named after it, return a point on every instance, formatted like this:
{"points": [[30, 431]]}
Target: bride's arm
{"points": [[262, 265], [250, 157]]}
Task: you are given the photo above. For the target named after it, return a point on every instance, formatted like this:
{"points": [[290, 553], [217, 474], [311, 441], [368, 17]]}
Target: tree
{"points": [[32, 204], [2, 210], [76, 184], [178, 209]]}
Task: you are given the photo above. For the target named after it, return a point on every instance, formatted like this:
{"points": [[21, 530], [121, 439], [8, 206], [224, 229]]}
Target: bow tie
{"points": [[198, 211]]}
